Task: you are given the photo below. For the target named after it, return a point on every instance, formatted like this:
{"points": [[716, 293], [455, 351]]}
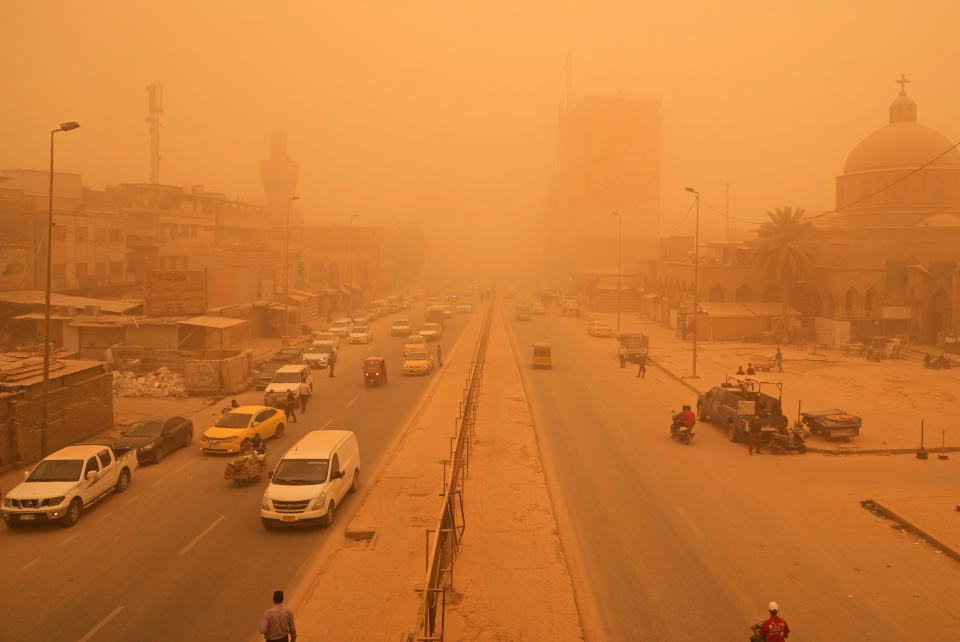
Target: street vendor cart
{"points": [[246, 468]]}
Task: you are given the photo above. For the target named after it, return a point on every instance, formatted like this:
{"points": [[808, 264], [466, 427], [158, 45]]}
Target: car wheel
{"points": [[327, 520], [122, 481], [356, 481], [12, 524], [278, 433], [731, 431], [72, 515]]}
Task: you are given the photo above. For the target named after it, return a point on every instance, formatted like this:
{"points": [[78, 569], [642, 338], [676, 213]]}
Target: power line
{"points": [[742, 220], [683, 220]]}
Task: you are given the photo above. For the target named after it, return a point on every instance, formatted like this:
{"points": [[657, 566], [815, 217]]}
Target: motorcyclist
{"points": [[773, 629], [685, 417]]}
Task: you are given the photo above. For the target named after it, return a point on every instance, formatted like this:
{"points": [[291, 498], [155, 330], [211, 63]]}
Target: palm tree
{"points": [[781, 253]]}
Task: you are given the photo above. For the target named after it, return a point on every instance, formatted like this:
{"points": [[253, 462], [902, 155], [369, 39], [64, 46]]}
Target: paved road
{"points": [[182, 554], [673, 542]]}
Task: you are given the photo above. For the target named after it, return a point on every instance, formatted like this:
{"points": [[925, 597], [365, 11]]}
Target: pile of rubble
{"points": [[162, 383]]}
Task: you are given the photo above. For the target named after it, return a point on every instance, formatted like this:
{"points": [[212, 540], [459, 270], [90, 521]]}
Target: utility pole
{"points": [[619, 264], [45, 424], [696, 284]]}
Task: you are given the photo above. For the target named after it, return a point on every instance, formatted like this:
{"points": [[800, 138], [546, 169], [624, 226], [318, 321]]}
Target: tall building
{"points": [[609, 161], [279, 175]]}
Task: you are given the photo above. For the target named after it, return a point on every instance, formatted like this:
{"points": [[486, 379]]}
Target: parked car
{"points": [[318, 354], [312, 479], [341, 327], [361, 334], [154, 438], [66, 482], [735, 402], [287, 379], [234, 430], [632, 346], [832, 424], [268, 368]]}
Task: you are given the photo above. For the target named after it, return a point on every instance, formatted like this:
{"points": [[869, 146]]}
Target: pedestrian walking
{"points": [[291, 406], [276, 624], [740, 370], [642, 368], [439, 356], [305, 392], [750, 370], [753, 435], [778, 359], [332, 361], [623, 360]]}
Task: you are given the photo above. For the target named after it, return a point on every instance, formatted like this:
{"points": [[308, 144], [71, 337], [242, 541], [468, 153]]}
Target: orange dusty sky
{"points": [[444, 113]]}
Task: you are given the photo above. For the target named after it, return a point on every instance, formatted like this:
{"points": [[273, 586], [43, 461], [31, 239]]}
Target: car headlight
{"points": [[148, 447], [265, 504], [54, 501], [319, 502], [228, 440]]}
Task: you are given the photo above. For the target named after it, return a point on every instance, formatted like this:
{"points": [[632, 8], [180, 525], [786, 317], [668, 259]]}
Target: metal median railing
{"points": [[443, 542]]}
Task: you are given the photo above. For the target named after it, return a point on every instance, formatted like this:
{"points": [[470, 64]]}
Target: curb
{"points": [[876, 507], [881, 451]]}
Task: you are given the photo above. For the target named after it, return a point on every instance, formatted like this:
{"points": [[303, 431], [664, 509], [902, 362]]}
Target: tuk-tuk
{"points": [[541, 355], [374, 370]]}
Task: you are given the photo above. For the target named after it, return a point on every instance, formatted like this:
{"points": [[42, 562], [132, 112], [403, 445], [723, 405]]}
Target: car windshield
{"points": [[286, 377], [322, 346], [57, 470], [234, 420], [361, 329], [325, 336], [301, 472], [416, 356], [145, 429]]}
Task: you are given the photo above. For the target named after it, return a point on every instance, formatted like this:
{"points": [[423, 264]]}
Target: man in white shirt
{"points": [[276, 625]]}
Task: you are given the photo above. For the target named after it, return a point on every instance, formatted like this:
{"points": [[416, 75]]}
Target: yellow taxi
{"points": [[238, 426], [413, 343], [417, 361]]}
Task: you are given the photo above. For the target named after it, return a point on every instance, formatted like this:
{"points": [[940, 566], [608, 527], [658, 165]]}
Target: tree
{"points": [[781, 255]]}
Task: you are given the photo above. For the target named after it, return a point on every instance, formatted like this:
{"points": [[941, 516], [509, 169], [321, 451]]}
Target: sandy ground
{"points": [[891, 396]]}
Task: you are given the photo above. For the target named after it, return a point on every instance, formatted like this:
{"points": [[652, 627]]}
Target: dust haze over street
{"points": [[485, 321]]}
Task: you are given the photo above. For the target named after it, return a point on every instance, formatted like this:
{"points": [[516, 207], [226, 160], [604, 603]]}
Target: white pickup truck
{"points": [[64, 483]]}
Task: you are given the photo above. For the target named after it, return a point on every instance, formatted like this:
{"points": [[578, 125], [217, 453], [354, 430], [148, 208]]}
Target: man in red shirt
{"points": [[774, 628], [686, 418]]}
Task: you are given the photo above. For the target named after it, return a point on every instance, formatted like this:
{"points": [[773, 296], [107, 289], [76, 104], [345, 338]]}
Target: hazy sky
{"points": [[441, 112]]}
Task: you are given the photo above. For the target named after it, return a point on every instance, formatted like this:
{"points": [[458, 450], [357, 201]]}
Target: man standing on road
{"points": [[623, 360], [750, 370], [778, 359], [753, 436], [642, 368], [439, 356], [331, 362], [291, 407], [774, 628], [304, 390], [276, 624]]}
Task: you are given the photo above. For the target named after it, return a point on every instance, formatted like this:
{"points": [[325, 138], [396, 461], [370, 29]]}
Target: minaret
{"points": [[279, 175], [154, 109]]}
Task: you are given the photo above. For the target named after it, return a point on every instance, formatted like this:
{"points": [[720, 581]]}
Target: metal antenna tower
{"points": [[155, 108]]}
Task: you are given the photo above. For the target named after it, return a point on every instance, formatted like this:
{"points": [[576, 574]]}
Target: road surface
{"points": [[674, 542], [181, 555]]}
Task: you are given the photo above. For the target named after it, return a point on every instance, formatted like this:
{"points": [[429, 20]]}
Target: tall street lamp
{"points": [[286, 265], [64, 127], [696, 282], [619, 263]]}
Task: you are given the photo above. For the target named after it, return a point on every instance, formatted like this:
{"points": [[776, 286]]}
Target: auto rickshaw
{"points": [[374, 371], [541, 355]]}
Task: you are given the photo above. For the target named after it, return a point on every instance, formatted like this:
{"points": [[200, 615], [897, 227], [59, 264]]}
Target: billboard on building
{"points": [[175, 293]]}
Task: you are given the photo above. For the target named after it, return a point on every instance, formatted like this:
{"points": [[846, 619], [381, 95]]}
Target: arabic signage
{"points": [[175, 293]]}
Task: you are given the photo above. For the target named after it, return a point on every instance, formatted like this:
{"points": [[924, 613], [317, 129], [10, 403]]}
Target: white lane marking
{"points": [[156, 483], [102, 623], [104, 516], [29, 564], [351, 402], [132, 499], [69, 539], [329, 421], [196, 539]]}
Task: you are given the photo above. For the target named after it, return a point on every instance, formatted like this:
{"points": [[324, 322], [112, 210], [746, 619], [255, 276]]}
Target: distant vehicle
{"points": [[66, 482], [738, 400], [376, 309], [632, 346], [287, 379], [599, 329], [417, 362], [434, 314], [463, 308], [341, 327], [447, 311], [542, 356], [523, 312], [361, 334], [360, 317], [394, 304], [153, 438], [318, 354], [538, 308], [832, 424], [569, 307], [312, 479], [326, 336], [509, 293], [431, 331], [268, 368], [400, 328], [414, 342], [234, 430]]}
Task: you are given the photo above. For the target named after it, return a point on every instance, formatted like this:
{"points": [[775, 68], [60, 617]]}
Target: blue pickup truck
{"points": [[735, 402]]}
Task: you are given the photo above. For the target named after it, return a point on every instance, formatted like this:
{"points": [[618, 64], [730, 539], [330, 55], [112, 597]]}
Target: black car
{"points": [[155, 437]]}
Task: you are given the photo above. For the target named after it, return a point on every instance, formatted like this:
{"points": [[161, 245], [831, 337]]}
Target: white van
{"points": [[312, 479], [287, 379]]}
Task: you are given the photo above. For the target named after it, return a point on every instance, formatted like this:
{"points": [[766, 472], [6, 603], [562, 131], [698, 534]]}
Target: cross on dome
{"points": [[903, 82]]}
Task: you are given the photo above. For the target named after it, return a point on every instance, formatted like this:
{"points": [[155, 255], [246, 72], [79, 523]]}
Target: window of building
{"points": [[59, 271], [116, 267], [59, 233], [193, 231], [114, 234], [80, 233], [81, 270], [100, 234], [101, 269]]}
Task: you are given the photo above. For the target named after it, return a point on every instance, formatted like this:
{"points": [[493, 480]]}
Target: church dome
{"points": [[903, 144]]}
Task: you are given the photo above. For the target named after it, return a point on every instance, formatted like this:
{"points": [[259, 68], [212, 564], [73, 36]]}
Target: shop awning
{"points": [[219, 323]]}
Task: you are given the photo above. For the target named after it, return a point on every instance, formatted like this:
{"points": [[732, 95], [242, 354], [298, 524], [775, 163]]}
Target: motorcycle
{"points": [[680, 431], [788, 441], [936, 363]]}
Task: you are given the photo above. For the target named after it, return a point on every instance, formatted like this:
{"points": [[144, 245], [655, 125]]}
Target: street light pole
{"points": [[64, 127], [696, 283], [286, 266], [619, 264]]}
